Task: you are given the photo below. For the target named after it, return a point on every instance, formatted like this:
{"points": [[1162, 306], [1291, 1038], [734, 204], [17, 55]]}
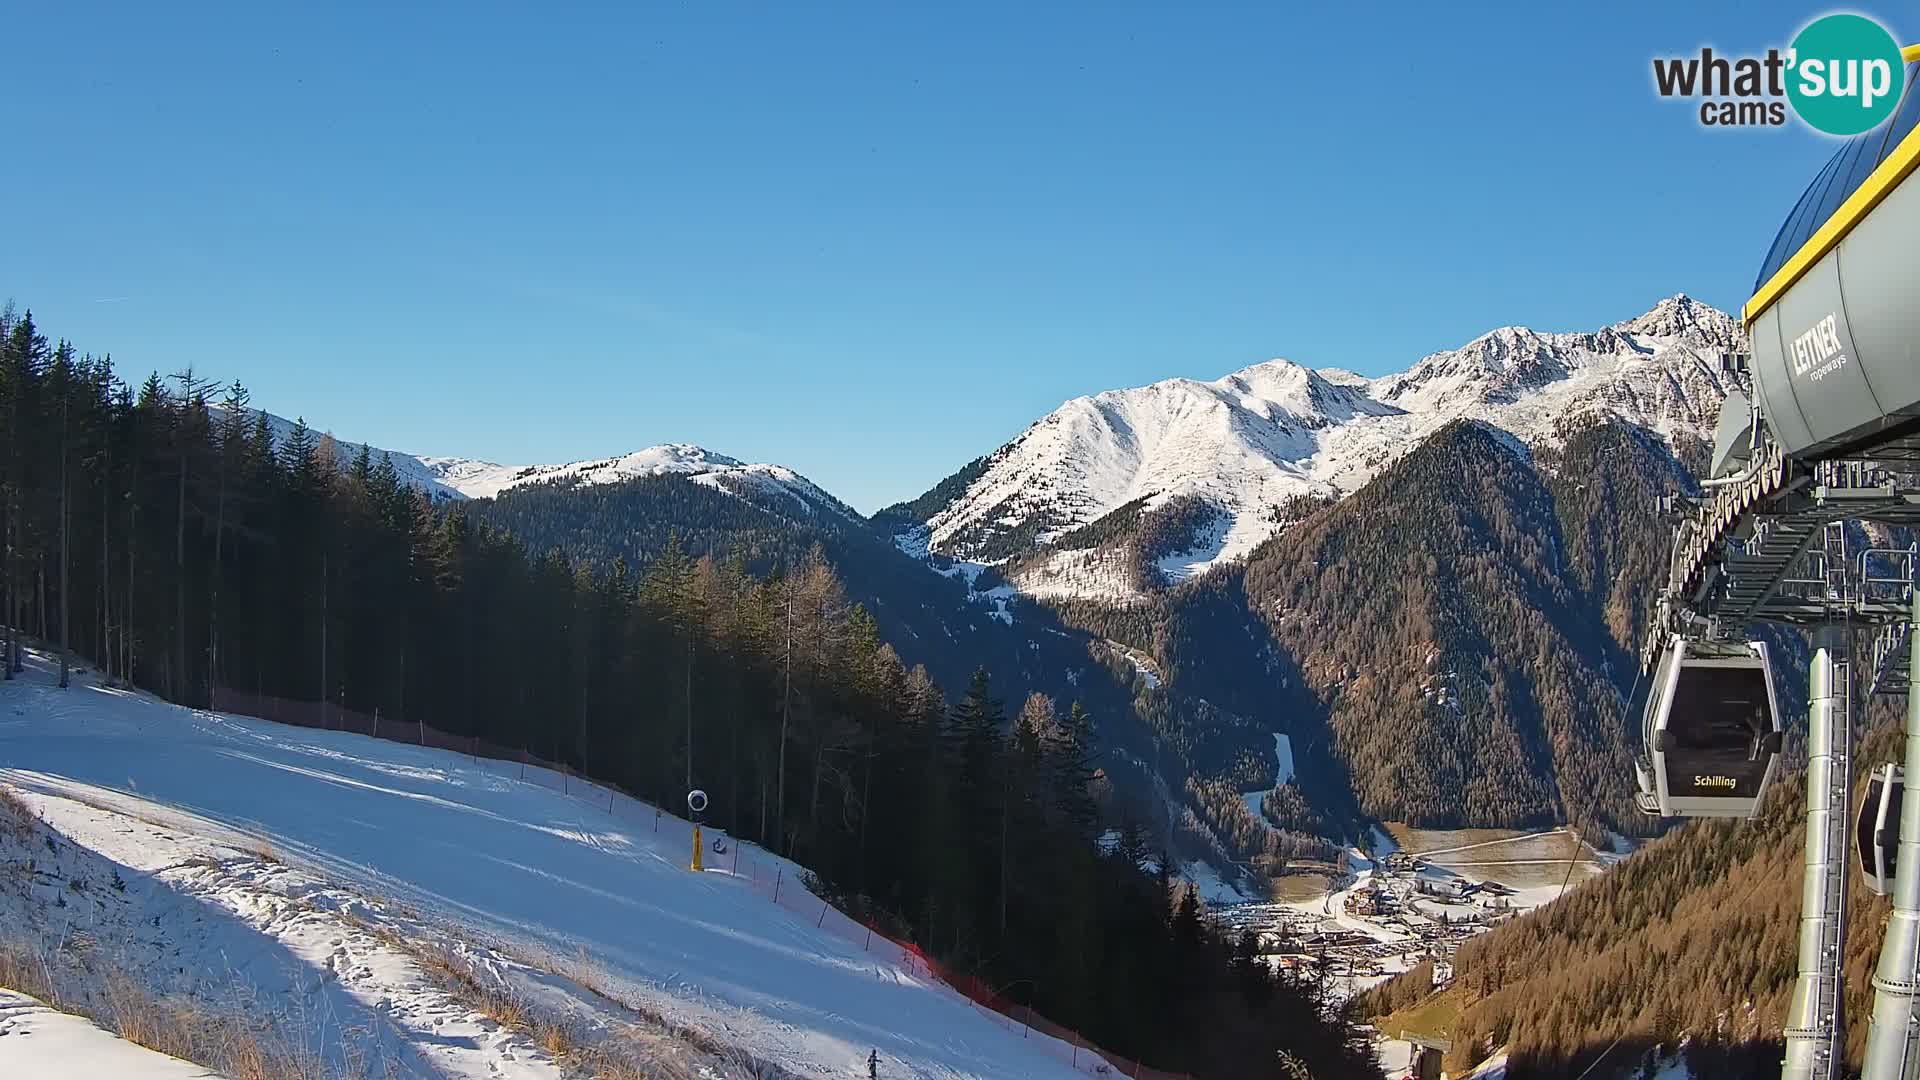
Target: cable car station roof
{"points": [[1855, 180]]}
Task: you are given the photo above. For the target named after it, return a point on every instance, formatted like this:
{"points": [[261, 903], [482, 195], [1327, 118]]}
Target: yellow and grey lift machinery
{"points": [[1829, 436]]}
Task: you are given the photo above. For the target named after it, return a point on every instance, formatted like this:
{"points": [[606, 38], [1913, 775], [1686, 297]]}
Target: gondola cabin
{"points": [[1877, 830], [1712, 729]]}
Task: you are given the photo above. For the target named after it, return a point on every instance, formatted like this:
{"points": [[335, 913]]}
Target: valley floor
{"points": [[1533, 863], [383, 909]]}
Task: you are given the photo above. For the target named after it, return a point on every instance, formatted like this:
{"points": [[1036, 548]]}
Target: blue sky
{"points": [[869, 241]]}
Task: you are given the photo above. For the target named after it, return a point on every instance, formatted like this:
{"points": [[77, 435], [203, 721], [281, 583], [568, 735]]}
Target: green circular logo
{"points": [[1845, 74]]}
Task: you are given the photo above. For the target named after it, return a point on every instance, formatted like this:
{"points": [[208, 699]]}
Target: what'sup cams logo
{"points": [[1842, 75]]}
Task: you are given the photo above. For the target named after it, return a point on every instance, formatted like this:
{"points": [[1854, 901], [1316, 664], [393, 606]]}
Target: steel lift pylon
{"points": [[1731, 570]]}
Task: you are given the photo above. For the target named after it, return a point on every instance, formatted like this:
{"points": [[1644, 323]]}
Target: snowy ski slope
{"points": [[37, 1041], [494, 859]]}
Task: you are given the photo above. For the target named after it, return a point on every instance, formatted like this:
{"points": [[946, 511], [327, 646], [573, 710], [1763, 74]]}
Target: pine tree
{"points": [[61, 378]]}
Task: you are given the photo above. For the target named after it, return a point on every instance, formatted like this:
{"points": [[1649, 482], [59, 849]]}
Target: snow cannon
{"points": [[697, 806]]}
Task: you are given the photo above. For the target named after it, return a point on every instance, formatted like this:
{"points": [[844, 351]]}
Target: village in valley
{"points": [[1417, 895]]}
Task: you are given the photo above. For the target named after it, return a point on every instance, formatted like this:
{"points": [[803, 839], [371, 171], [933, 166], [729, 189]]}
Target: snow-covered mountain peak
{"points": [[1272, 378], [484, 479], [1248, 441], [1306, 395], [1682, 317], [677, 457], [773, 486], [1503, 367], [1496, 365], [1240, 443], [1342, 377]]}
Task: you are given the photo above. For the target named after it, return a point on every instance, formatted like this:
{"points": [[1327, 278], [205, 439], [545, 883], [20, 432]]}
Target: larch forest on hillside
{"points": [[1691, 940], [160, 532]]}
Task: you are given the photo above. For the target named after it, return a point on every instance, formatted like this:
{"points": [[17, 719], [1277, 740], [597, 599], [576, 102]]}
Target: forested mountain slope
{"points": [[1444, 635], [1453, 642], [1446, 644], [1457, 563], [1693, 937], [177, 547], [1434, 617], [1160, 744], [951, 623]]}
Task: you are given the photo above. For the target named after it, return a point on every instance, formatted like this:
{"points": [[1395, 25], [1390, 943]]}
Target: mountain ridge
{"points": [[461, 478], [1257, 437], [1235, 471], [1242, 444]]}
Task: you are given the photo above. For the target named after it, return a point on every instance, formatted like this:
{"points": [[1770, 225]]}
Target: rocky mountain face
{"points": [[1244, 446]]}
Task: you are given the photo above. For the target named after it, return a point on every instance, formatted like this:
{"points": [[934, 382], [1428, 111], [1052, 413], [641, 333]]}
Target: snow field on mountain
{"points": [[1087, 573], [1249, 440], [788, 489], [322, 877], [470, 478], [1214, 890]]}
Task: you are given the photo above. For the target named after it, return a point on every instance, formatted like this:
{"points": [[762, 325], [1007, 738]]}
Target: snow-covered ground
{"points": [[1283, 772], [1395, 1056], [1196, 559], [189, 906], [1142, 663], [1494, 1068], [281, 864], [996, 598], [1214, 890], [37, 1040], [1099, 573], [1282, 759], [1672, 1067]]}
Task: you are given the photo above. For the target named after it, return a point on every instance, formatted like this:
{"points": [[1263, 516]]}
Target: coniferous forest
{"points": [[1689, 945], [159, 533]]}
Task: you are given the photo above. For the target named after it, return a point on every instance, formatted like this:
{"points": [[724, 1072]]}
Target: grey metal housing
{"points": [[1818, 398]]}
